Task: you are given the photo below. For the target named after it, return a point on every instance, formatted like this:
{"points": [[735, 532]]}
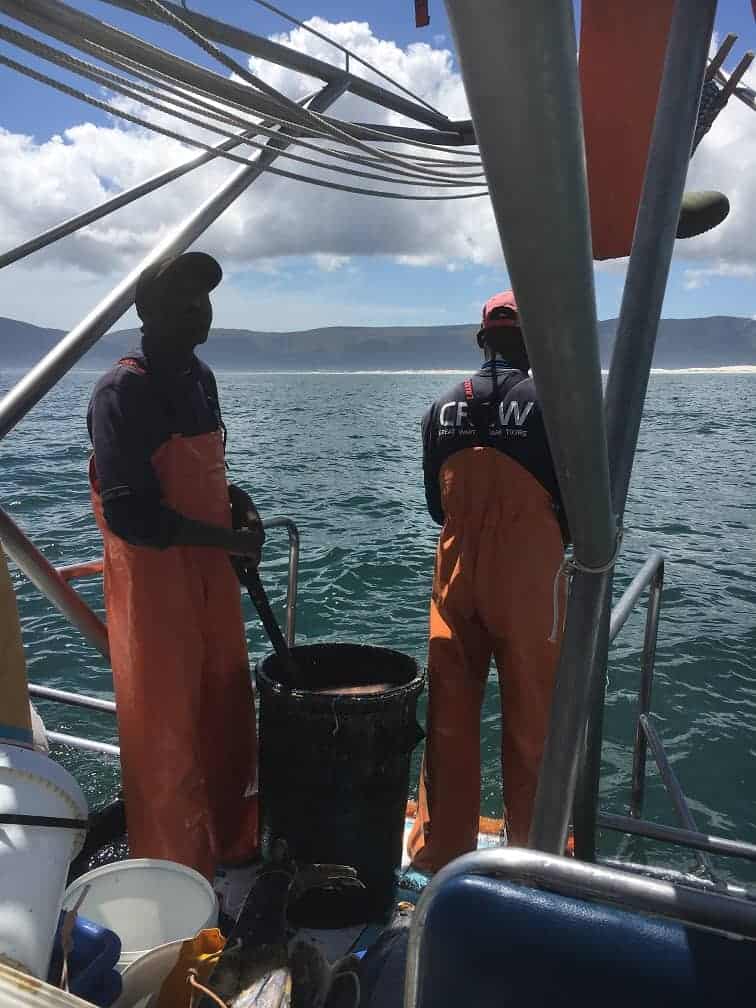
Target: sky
{"points": [[297, 257]]}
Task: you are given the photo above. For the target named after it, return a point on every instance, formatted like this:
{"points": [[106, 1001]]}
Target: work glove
{"points": [[245, 518]]}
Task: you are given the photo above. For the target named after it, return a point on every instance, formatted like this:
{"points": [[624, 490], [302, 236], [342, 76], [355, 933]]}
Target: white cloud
{"points": [[278, 217], [725, 161], [44, 182], [695, 278], [330, 263]]}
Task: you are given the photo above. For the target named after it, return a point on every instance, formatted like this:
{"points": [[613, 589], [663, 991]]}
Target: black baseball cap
{"points": [[171, 279]]}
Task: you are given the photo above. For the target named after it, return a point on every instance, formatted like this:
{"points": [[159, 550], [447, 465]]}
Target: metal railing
{"points": [[651, 576], [724, 913], [54, 583], [291, 589]]}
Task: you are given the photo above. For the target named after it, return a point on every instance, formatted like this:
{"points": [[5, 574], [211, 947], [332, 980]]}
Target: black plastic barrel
{"points": [[334, 768]]}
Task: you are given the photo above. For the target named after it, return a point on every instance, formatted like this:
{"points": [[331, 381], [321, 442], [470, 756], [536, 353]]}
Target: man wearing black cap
{"points": [[175, 630], [490, 482]]}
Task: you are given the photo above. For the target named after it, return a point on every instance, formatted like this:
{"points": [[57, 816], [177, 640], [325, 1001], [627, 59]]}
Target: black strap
{"points": [[484, 414], [15, 819]]}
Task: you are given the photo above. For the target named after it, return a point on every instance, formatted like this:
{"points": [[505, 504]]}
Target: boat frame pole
{"points": [[645, 283], [44, 576], [66, 353], [285, 56], [543, 222], [121, 199]]}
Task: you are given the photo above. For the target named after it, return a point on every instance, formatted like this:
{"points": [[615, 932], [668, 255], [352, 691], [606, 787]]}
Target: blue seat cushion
{"points": [[488, 942]]}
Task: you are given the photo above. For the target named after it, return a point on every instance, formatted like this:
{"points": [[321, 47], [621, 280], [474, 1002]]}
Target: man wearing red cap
{"points": [[178, 650], [490, 482]]}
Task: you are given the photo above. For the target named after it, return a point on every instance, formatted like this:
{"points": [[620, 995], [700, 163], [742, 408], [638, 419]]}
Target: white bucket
{"points": [[143, 978], [147, 903], [19, 990], [34, 860]]}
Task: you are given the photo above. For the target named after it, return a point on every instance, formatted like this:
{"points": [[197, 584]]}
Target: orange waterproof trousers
{"points": [[498, 554], [186, 715]]}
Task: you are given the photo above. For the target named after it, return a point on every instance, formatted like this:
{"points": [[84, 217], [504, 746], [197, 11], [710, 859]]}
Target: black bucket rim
{"points": [[415, 684]]}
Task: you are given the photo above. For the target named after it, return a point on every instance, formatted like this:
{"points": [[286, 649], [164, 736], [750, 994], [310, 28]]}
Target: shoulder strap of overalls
{"points": [[482, 428], [133, 364]]}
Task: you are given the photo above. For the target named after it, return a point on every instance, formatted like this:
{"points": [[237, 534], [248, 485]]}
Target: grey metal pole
{"points": [[645, 576], [672, 784], [28, 392], [71, 699], [583, 659], [58, 20], [123, 199], [644, 694], [255, 45], [675, 835], [650, 256], [578, 881], [90, 745], [653, 242], [44, 576], [293, 579], [540, 201]]}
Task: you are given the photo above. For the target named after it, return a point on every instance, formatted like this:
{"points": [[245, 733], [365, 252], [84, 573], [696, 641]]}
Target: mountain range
{"points": [[697, 342]]}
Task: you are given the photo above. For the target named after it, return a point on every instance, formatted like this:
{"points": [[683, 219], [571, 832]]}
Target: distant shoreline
{"points": [[726, 369]]}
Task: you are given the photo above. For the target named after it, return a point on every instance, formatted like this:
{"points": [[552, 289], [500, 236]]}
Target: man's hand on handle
{"points": [[248, 534]]}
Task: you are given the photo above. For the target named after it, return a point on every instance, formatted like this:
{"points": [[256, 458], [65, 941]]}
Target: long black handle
{"points": [[290, 676]]}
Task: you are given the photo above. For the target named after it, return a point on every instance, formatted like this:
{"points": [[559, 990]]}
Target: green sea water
{"points": [[340, 454]]}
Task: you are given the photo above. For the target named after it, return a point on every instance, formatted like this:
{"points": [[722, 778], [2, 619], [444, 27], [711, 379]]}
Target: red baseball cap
{"points": [[501, 310]]}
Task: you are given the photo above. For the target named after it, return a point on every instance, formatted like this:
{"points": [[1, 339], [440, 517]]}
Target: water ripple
{"points": [[341, 455]]}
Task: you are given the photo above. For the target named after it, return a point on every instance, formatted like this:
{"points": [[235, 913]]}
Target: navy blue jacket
{"points": [[132, 412], [474, 413]]}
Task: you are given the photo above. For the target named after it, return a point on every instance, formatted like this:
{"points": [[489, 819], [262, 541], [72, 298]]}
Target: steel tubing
{"points": [[672, 784], [644, 694], [648, 268], [34, 386], [654, 238], [675, 835], [553, 280], [577, 880], [71, 699], [628, 601], [88, 745], [122, 199], [293, 579], [44, 576], [284, 56]]}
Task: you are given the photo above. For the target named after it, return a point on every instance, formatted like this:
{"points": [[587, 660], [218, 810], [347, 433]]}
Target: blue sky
{"points": [[325, 283]]}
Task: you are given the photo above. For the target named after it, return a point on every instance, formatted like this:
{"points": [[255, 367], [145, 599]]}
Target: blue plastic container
{"points": [[91, 964]]}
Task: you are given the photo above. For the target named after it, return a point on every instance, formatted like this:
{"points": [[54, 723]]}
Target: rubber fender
{"points": [[701, 211]]}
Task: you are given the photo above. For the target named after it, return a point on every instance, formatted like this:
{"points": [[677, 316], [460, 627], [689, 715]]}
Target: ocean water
{"points": [[340, 454]]}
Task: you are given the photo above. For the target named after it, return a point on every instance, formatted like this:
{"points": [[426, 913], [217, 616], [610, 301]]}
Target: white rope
{"points": [[566, 571]]}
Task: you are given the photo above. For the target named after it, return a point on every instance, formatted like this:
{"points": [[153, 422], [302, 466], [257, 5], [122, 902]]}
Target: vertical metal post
{"points": [[293, 581], [35, 385], [653, 241], [656, 226], [536, 195], [644, 696]]}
